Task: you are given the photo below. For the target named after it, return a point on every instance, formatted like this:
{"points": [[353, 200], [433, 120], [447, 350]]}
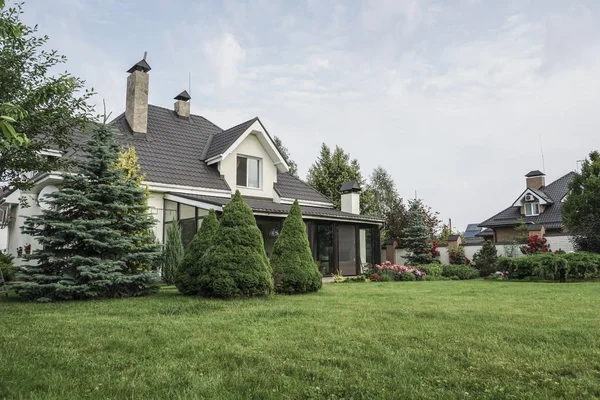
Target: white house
{"points": [[192, 165]]}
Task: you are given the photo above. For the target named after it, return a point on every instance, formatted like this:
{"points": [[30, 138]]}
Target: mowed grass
{"points": [[467, 339]]}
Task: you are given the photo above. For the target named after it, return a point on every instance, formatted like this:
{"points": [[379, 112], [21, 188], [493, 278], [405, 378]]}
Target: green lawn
{"points": [[452, 339]]}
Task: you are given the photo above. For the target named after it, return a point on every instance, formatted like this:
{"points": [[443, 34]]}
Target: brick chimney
{"points": [[351, 197], [182, 105], [136, 102], [535, 180]]}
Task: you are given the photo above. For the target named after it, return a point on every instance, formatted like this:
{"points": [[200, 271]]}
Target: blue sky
{"points": [[451, 97]]}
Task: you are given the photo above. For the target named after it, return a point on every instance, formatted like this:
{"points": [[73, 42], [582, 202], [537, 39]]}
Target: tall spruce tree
{"points": [[236, 264], [285, 153], [189, 271], [90, 233], [332, 170], [294, 269], [417, 237], [173, 253]]}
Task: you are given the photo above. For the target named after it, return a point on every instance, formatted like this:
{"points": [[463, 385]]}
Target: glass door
{"points": [[325, 248], [347, 249]]}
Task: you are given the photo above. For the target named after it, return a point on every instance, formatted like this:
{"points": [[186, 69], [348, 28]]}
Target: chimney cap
{"points": [[535, 173], [141, 65], [350, 186], [185, 96]]}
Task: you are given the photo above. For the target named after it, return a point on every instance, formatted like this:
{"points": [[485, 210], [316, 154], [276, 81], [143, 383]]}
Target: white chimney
{"points": [[351, 197], [182, 105], [136, 102]]}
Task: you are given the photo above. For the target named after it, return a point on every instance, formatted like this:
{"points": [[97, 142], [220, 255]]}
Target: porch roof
{"points": [[261, 206]]}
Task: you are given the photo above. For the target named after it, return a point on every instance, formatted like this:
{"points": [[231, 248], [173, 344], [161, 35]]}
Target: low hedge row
{"points": [[552, 267], [448, 271]]}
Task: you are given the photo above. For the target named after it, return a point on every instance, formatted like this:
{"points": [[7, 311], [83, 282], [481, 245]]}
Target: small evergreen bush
{"points": [[173, 253], [189, 271], [485, 259], [294, 270], [433, 271], [6, 265], [236, 264]]}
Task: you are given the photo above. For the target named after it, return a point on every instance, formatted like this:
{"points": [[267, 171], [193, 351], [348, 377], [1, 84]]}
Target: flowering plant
{"points": [[498, 276], [536, 244], [387, 271], [457, 256]]}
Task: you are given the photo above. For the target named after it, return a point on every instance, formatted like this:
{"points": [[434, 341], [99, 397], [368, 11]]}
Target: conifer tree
{"points": [[188, 273], [173, 253], [236, 264], [90, 234], [294, 270], [417, 237]]}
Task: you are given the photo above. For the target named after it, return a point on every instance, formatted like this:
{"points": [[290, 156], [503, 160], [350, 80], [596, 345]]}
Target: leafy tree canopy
{"points": [[38, 111], [581, 208]]}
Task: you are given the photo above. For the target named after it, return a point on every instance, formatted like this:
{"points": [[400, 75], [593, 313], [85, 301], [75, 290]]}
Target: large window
{"points": [[532, 209], [248, 172], [189, 218]]}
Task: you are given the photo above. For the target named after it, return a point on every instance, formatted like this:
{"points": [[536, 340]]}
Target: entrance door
{"points": [[347, 249]]}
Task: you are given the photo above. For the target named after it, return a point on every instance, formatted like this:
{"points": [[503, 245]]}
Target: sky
{"points": [[457, 100]]}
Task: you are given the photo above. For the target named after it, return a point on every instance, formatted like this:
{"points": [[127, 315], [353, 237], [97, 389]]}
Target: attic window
{"points": [[532, 209], [248, 172]]}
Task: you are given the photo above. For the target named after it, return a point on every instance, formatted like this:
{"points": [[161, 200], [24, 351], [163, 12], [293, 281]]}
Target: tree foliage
{"points": [[285, 153], [417, 236], [581, 208], [236, 264], [486, 258], [47, 108], [332, 170], [294, 269], [173, 252], [91, 233], [189, 271]]}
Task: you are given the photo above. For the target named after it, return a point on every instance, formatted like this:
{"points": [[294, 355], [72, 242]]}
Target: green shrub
{"points": [[236, 264], [356, 279], [433, 271], [294, 269], [407, 276], [485, 259], [6, 265], [461, 272], [583, 266], [188, 272], [172, 253]]}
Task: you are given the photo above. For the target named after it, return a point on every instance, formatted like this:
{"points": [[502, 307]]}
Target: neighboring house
{"points": [[539, 206], [472, 233], [191, 165]]}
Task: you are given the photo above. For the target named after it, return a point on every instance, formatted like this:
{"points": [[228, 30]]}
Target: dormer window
{"points": [[532, 209], [249, 172]]}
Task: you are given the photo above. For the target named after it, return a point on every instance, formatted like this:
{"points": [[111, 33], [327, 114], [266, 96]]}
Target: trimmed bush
{"points": [[459, 272], [189, 271], [294, 270], [172, 253], [236, 264], [552, 267]]}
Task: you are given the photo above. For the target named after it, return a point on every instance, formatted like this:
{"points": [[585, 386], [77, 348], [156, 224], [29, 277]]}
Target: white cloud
{"points": [[226, 55]]}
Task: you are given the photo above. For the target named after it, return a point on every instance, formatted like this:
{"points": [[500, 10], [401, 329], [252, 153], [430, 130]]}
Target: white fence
{"points": [[556, 242]]}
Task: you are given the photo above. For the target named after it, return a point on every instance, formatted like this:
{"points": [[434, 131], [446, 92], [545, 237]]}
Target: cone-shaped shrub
{"points": [[189, 270], [294, 270], [236, 264]]}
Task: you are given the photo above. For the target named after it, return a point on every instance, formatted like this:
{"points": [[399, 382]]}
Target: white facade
{"points": [[250, 147]]}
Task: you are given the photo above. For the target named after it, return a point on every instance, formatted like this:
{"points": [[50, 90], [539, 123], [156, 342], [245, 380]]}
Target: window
{"points": [[248, 172], [532, 209]]}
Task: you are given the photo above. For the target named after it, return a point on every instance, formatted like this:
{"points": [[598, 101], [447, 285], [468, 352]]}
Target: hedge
{"points": [[552, 267]]}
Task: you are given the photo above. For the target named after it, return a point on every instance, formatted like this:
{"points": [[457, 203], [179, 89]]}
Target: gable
{"points": [[226, 143], [538, 195]]}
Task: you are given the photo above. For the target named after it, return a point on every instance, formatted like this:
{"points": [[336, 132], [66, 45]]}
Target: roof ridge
{"points": [[238, 125], [191, 115]]}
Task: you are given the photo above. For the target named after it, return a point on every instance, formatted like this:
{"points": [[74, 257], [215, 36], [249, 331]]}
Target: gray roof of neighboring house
{"points": [[551, 218], [172, 151], [471, 231], [270, 207]]}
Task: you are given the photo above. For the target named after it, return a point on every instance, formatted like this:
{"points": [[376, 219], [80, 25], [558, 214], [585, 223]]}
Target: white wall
{"points": [[156, 204], [252, 147], [3, 239], [555, 242]]}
